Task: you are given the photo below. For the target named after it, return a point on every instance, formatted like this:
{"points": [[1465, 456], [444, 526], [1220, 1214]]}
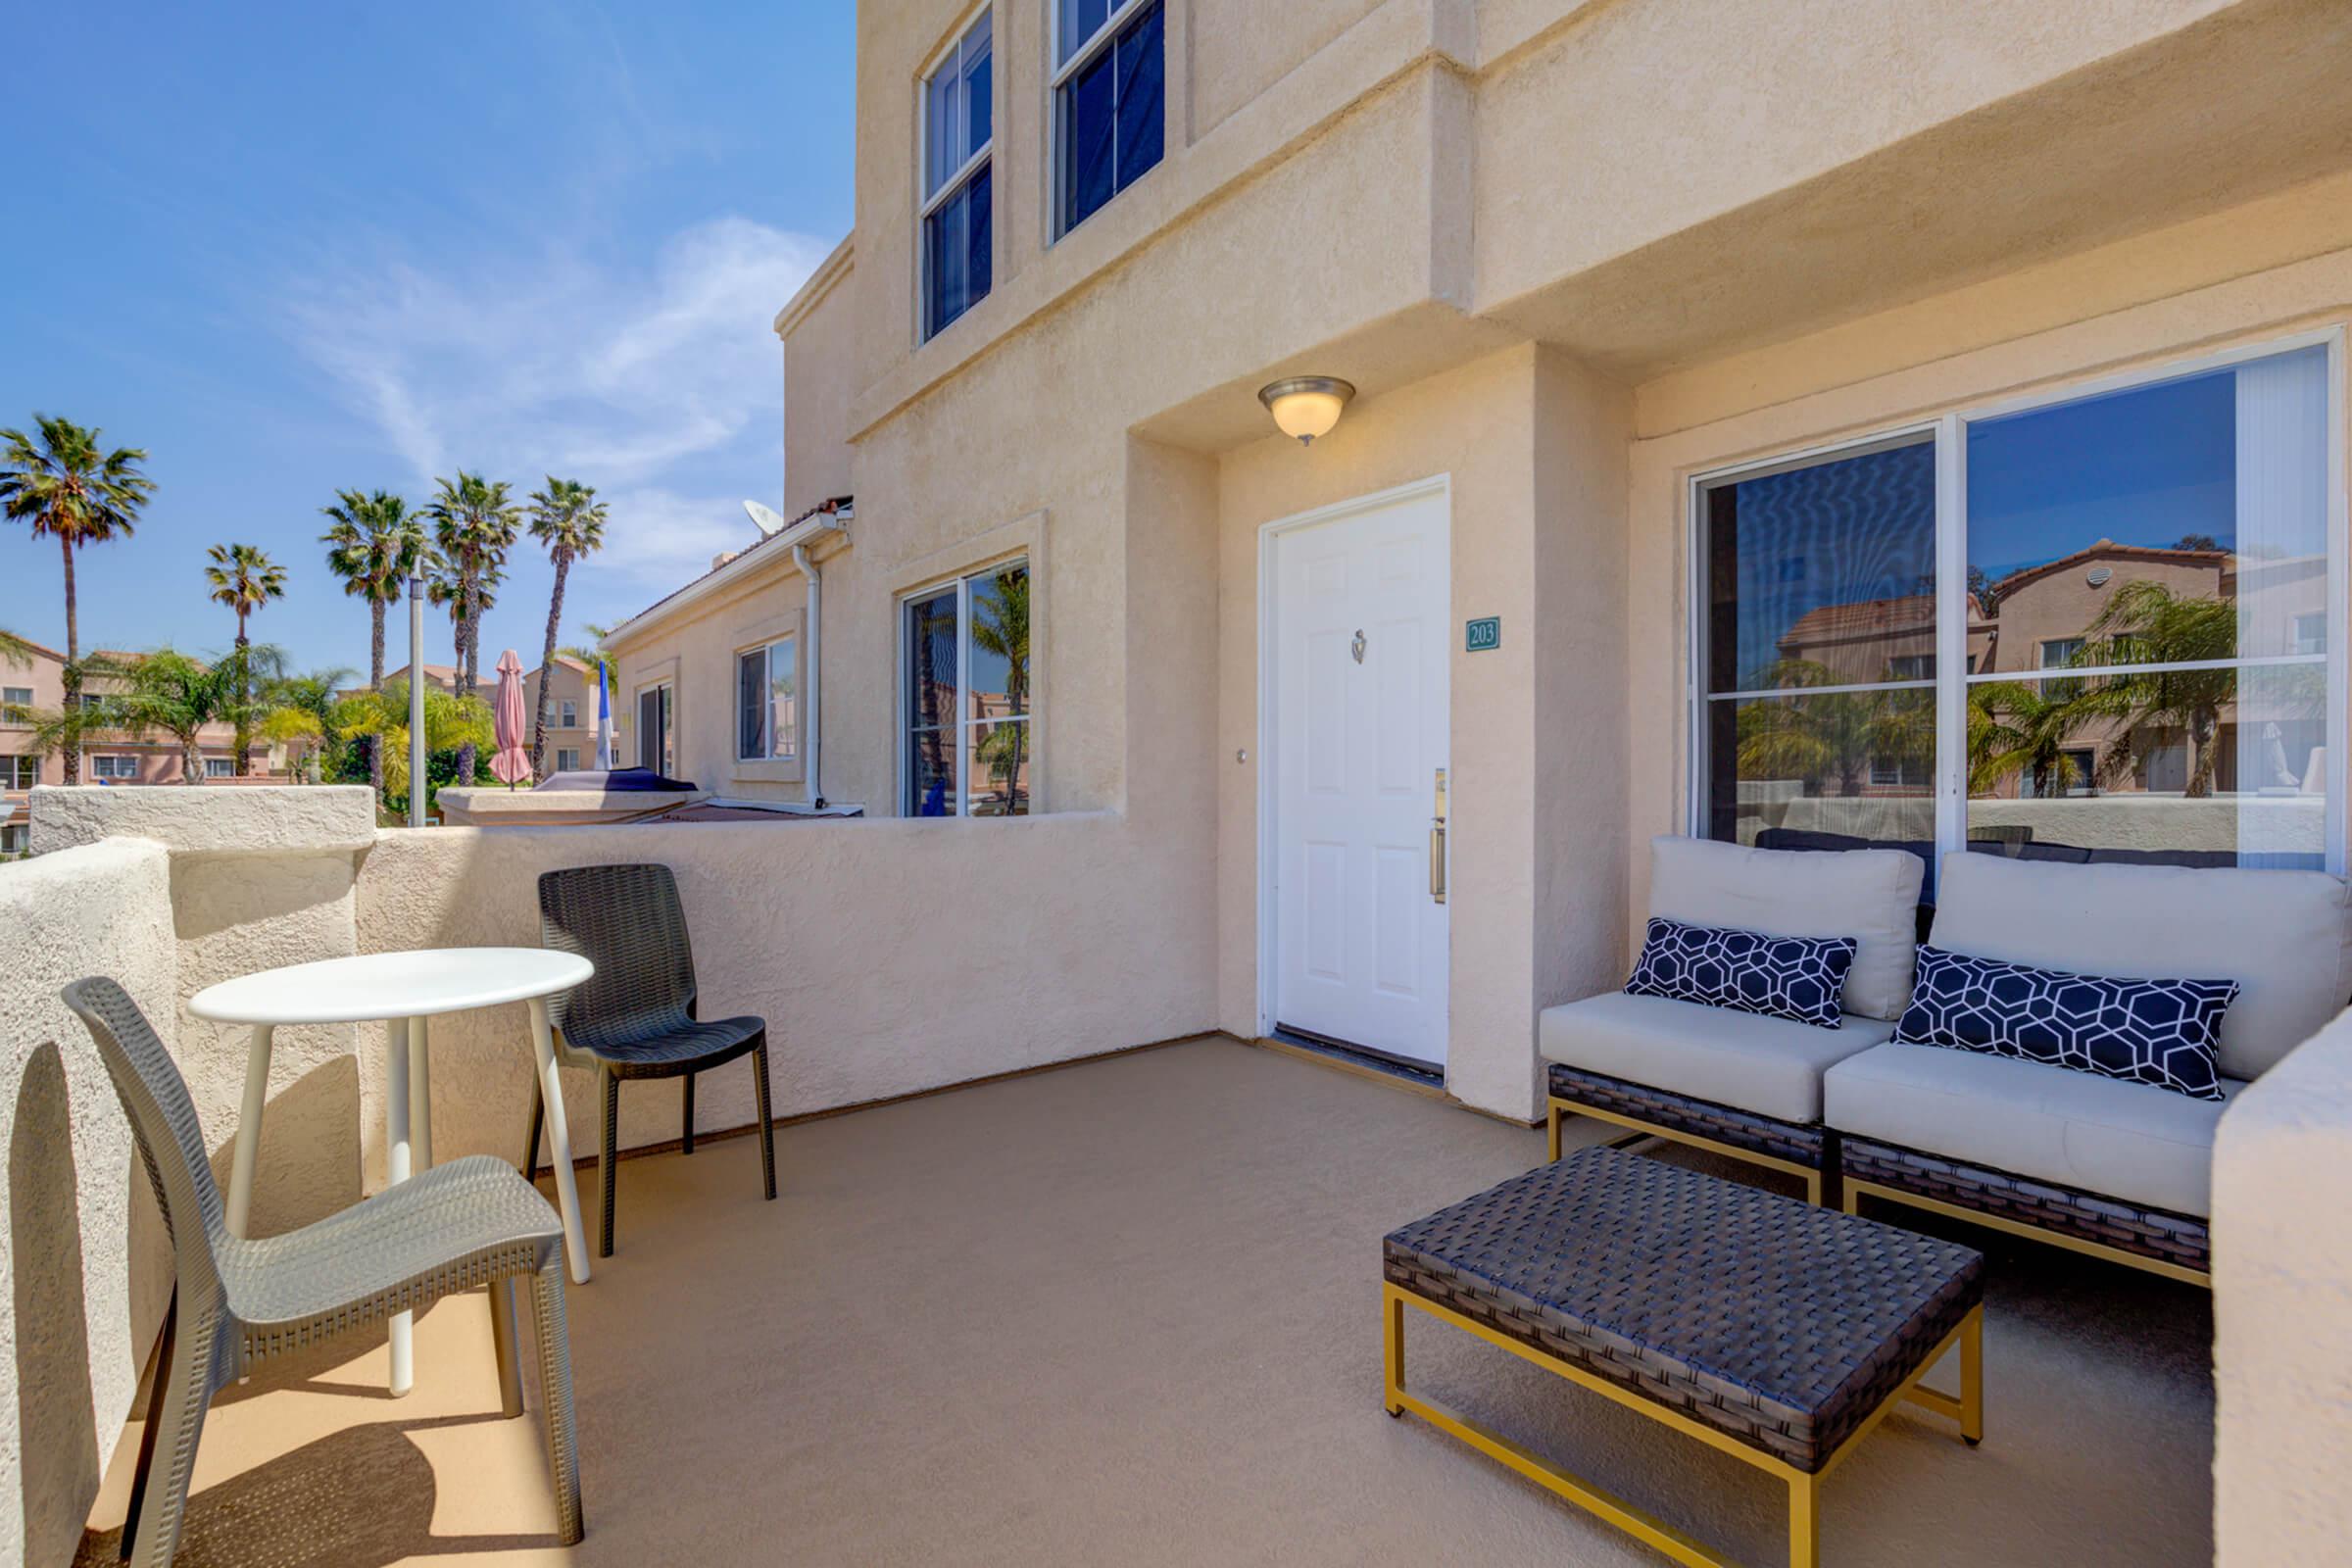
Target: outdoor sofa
{"points": [[2119, 1170]]}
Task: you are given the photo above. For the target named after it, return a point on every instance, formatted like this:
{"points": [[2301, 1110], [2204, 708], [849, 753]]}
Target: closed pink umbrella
{"points": [[513, 762]]}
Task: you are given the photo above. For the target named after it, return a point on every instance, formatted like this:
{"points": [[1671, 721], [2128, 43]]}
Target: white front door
{"points": [[1357, 650]]}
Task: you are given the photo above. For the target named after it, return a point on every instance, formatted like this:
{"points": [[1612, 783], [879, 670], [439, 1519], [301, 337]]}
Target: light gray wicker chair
{"points": [[635, 1016], [236, 1302]]}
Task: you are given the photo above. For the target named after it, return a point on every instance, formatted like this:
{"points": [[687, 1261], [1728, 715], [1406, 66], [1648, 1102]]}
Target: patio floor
{"points": [[1127, 1311]]}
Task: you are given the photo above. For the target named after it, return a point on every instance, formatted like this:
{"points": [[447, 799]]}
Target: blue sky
{"points": [[295, 248]]}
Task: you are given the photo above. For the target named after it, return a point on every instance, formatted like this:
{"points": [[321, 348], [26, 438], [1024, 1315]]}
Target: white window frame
{"points": [[567, 758], [768, 651], [567, 713], [101, 761], [946, 54], [658, 764], [220, 767], [18, 772], [1950, 432], [1059, 76], [962, 582], [13, 698]]}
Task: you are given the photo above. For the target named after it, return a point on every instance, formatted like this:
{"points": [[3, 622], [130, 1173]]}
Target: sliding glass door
{"points": [[2103, 628]]}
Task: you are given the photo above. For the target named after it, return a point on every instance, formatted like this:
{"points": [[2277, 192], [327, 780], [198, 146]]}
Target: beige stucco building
{"points": [[1576, 260]]}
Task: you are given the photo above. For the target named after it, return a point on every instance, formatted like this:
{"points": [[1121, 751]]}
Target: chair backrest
{"points": [[627, 921], [162, 1119]]}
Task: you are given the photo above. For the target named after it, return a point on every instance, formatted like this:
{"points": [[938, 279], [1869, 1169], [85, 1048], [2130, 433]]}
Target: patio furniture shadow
{"points": [[361, 1497]]}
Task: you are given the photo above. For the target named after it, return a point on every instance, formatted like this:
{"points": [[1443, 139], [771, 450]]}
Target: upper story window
{"points": [[568, 716], [958, 107], [767, 723], [122, 769], [1110, 101], [19, 772], [2126, 595], [967, 701], [14, 701]]}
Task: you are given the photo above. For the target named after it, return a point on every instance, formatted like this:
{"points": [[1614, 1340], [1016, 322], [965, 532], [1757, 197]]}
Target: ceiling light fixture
{"points": [[1305, 406]]}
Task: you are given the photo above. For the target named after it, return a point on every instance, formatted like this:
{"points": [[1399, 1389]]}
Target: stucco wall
{"points": [[75, 1317], [820, 376], [888, 955], [2282, 1313]]}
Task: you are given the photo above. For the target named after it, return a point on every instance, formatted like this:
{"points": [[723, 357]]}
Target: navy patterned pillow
{"points": [[1748, 971], [2161, 1032]]}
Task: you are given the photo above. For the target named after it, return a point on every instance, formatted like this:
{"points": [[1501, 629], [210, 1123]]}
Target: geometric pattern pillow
{"points": [[1748, 971], [2161, 1032]]}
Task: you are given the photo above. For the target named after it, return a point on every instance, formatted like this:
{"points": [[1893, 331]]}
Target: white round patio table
{"points": [[404, 989]]}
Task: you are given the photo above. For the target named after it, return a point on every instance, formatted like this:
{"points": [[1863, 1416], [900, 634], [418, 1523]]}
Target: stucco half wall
{"points": [[75, 1316], [888, 954], [2283, 1312]]}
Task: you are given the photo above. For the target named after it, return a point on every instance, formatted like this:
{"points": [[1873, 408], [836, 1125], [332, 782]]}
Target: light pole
{"points": [[416, 701]]}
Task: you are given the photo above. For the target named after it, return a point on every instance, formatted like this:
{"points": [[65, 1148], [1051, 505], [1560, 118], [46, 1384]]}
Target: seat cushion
{"points": [[2127, 1141], [1771, 1066], [1868, 895], [2285, 937]]}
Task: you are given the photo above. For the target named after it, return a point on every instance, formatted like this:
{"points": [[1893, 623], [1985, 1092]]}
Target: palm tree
{"points": [[382, 716], [301, 708], [244, 579], [374, 544], [568, 520], [474, 524], [175, 694], [73, 490], [86, 716], [2147, 624], [1835, 738], [2022, 727]]}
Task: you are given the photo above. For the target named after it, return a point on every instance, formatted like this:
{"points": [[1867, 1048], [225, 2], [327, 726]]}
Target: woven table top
{"points": [[1779, 1322]]}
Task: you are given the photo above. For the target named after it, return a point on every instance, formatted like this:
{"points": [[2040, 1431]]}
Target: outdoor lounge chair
{"points": [[1739, 1083], [236, 1301], [636, 1018]]}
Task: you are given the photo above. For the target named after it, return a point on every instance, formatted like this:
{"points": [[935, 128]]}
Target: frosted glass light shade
{"points": [[1306, 406]]}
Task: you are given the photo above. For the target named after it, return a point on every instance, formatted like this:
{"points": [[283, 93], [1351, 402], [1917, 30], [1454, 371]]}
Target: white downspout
{"points": [[813, 678]]}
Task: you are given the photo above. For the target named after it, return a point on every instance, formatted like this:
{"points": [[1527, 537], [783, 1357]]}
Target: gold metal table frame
{"points": [[1804, 1516]]}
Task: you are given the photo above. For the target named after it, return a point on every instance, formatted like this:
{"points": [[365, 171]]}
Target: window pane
{"points": [[997, 771], [1142, 114], [939, 156], [1823, 574], [978, 236], [1852, 765], [999, 655], [945, 254], [931, 661], [2197, 767], [1087, 131], [751, 704], [2125, 523], [1081, 19], [931, 772], [783, 698], [978, 103]]}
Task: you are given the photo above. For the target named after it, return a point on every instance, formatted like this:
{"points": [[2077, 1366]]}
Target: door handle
{"points": [[1436, 844]]}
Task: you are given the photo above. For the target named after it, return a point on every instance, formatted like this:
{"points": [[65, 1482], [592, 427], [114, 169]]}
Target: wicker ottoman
{"points": [[1775, 1330]]}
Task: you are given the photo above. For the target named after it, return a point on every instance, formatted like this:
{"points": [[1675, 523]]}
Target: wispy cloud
{"points": [[653, 378]]}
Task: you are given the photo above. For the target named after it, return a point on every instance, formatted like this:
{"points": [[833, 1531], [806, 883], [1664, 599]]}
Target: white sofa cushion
{"points": [[1772, 1066], [1869, 894], [2134, 1142], [2285, 936]]}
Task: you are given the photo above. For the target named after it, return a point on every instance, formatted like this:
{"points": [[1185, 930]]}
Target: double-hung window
{"points": [[568, 714], [767, 719], [959, 109], [967, 696], [14, 703], [2103, 627], [1110, 101]]}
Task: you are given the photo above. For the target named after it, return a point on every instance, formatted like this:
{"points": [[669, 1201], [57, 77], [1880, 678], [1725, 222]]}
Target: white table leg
{"points": [[398, 1130], [420, 1098], [559, 1140], [248, 1130]]}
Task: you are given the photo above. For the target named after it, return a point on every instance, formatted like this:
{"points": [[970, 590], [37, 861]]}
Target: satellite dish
{"points": [[767, 519], [2099, 576]]}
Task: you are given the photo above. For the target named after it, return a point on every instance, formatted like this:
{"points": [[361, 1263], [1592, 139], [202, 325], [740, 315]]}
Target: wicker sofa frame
{"points": [[2179, 1247], [1804, 1150]]}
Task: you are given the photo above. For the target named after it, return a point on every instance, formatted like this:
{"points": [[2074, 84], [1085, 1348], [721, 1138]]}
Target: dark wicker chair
{"points": [[636, 1018]]}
